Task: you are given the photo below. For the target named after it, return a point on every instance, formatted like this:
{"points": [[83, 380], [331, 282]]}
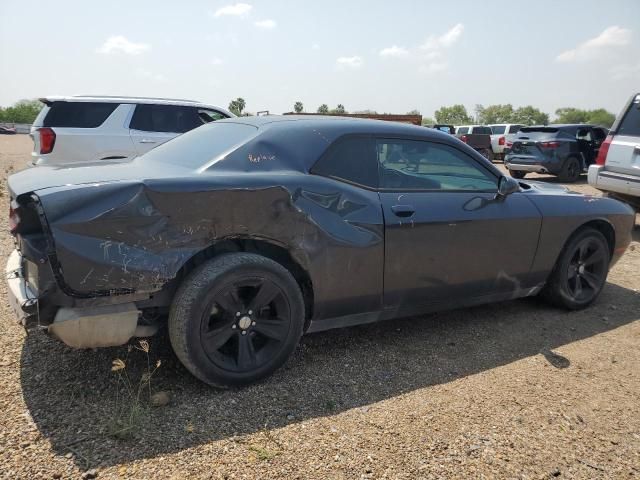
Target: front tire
{"points": [[236, 319], [580, 272]]}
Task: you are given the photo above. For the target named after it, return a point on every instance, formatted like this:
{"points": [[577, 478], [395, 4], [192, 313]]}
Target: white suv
{"points": [[94, 128], [502, 135], [617, 167]]}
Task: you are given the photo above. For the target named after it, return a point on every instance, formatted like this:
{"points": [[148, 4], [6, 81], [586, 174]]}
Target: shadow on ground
{"points": [[71, 394]]}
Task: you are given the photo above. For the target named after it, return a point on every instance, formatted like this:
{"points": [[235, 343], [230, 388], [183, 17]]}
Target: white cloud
{"points": [[236, 10], [266, 24], [445, 40], [120, 44], [611, 37], [315, 46], [350, 62], [394, 51], [434, 67], [622, 72], [215, 61]]}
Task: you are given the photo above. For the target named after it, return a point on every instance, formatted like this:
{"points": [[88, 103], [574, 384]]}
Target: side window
{"points": [[630, 124], [164, 118], [584, 134], [599, 134], [351, 159], [78, 114], [419, 165], [208, 116]]}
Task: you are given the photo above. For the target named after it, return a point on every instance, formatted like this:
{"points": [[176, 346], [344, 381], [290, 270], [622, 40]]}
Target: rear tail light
{"points": [[604, 149], [464, 138], [47, 140], [14, 218], [501, 141], [549, 144]]}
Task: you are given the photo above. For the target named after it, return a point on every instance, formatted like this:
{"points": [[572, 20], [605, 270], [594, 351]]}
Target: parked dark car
{"points": [[561, 150], [477, 137], [7, 130], [248, 232]]}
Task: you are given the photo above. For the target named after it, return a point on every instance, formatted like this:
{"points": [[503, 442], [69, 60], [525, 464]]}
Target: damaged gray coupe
{"points": [[244, 234]]}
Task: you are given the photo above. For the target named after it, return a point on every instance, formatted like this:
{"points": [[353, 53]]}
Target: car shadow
{"points": [[71, 395]]}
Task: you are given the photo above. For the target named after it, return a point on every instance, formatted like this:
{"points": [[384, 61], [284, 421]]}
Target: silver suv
{"points": [[94, 128], [617, 167]]}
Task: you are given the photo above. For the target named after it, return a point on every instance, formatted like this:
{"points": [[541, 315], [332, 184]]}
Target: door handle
{"points": [[403, 211], [144, 140]]}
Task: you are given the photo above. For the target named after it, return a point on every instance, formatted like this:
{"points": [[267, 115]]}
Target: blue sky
{"points": [[386, 56]]}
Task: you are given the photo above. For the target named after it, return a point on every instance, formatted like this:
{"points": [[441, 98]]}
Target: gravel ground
{"points": [[511, 390]]}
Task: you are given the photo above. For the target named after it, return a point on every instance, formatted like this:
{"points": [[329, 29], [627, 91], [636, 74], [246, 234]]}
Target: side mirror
{"points": [[507, 186]]}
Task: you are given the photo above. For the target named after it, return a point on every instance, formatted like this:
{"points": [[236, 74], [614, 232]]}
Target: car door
{"points": [[448, 237], [152, 125], [624, 151]]}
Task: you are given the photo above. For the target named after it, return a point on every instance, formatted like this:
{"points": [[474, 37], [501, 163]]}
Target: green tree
{"points": [[23, 111], [298, 107], [571, 115], [530, 115], [494, 114], [339, 109], [602, 117], [428, 121], [453, 115], [237, 106], [324, 108], [414, 112], [598, 116]]}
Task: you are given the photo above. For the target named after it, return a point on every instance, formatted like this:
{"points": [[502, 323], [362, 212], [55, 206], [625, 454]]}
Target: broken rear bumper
{"points": [[22, 297], [85, 327]]}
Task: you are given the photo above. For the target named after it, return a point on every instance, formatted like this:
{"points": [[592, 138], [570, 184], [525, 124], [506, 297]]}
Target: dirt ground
{"points": [[511, 390]]}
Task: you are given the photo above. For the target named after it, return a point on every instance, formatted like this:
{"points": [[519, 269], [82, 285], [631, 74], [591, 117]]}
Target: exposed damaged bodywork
{"points": [[121, 238]]}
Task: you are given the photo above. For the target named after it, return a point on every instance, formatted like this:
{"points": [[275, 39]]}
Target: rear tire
{"points": [[236, 319], [519, 174], [571, 170], [580, 272]]}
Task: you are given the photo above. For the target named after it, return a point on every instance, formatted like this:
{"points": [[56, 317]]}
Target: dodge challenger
{"points": [[244, 234]]}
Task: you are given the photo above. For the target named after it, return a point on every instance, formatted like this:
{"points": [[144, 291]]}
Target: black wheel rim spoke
{"points": [[591, 280], [275, 329], [265, 294], [578, 288], [230, 301], [596, 256], [218, 337], [246, 353]]}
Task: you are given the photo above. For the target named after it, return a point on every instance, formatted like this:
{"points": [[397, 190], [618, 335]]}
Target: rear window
{"points": [[498, 129], [201, 146], [463, 130], [165, 118], [630, 124], [78, 114], [539, 129], [514, 128], [482, 130]]}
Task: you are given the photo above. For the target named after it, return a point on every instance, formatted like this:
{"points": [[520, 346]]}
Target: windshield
{"points": [[202, 145]]}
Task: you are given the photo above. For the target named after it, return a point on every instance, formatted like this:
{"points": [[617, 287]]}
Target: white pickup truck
{"points": [[502, 133]]}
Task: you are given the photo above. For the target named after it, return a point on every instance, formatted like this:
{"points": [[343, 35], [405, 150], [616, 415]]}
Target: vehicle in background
{"points": [[450, 129], [617, 167], [100, 128], [561, 150], [503, 134], [477, 137], [228, 230], [7, 130]]}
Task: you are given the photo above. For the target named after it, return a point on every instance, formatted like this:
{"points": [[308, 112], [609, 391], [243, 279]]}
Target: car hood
{"points": [[38, 178]]}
